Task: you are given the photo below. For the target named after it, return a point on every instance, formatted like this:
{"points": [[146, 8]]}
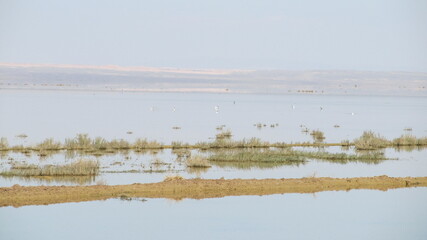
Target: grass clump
{"points": [[142, 143], [78, 168], [99, 143], [409, 140], [81, 141], [370, 141], [198, 161], [119, 144], [223, 143], [367, 157], [179, 144], [4, 144], [49, 144]]}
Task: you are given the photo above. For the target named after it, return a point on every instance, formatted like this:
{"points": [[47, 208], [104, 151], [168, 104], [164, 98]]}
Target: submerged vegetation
{"points": [[78, 168], [291, 156], [198, 161], [224, 143], [273, 156]]}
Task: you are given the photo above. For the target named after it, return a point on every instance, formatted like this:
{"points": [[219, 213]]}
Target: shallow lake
{"points": [[357, 214], [45, 114], [132, 168]]}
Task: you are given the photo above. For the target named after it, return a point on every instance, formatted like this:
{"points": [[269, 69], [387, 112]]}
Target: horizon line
{"points": [[213, 71]]}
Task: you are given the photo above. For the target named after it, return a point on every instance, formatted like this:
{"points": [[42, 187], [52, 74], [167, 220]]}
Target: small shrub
{"points": [[49, 144], [197, 161], [4, 144], [370, 141]]}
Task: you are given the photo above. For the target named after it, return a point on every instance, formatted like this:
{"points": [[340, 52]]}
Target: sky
{"points": [[373, 35]]}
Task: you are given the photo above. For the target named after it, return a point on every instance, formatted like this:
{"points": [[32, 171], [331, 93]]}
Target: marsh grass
{"points": [[364, 156], [197, 161], [245, 143], [278, 155], [81, 141], [256, 165], [289, 155], [78, 168], [179, 144], [409, 140], [49, 144], [4, 144], [99, 146], [370, 141], [143, 143]]}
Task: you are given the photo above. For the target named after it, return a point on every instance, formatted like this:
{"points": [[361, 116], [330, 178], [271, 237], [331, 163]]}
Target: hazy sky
{"points": [[248, 34]]}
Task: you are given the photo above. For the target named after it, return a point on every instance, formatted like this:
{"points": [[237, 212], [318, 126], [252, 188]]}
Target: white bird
{"points": [[152, 109], [173, 109], [352, 114], [216, 109], [293, 106]]}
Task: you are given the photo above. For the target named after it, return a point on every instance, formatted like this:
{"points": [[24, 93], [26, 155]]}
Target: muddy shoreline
{"points": [[18, 196]]}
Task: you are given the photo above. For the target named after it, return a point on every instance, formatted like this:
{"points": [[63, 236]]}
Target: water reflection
{"points": [[410, 148], [256, 165], [57, 180], [358, 214]]}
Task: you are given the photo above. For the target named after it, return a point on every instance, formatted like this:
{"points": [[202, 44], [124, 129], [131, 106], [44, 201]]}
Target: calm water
{"points": [[358, 214], [413, 163], [43, 114]]}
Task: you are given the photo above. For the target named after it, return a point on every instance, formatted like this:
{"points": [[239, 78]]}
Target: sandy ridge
{"points": [[198, 189]]}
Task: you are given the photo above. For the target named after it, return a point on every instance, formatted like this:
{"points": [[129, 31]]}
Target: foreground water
{"points": [[357, 214]]}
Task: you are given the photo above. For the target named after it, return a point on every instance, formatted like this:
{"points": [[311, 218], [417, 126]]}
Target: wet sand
{"points": [[198, 189]]}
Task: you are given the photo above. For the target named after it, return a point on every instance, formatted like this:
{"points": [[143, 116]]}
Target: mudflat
{"points": [[179, 188]]}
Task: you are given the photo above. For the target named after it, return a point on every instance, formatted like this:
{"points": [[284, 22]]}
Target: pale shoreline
{"points": [[163, 80]]}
